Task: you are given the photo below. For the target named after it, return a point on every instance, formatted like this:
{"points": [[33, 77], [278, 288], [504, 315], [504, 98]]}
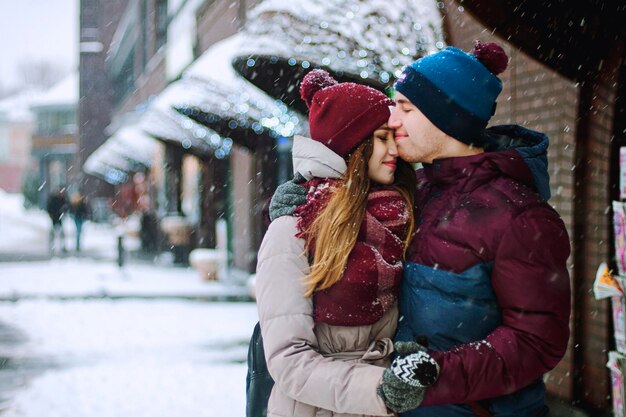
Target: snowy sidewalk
{"points": [[139, 358], [79, 278], [93, 273]]}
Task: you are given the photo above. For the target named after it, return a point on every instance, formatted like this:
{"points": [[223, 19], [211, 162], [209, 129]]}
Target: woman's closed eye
{"points": [[383, 134]]}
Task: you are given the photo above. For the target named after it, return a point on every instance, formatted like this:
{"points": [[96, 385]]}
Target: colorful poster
{"points": [[606, 285], [619, 227], [619, 325], [622, 173], [616, 365]]}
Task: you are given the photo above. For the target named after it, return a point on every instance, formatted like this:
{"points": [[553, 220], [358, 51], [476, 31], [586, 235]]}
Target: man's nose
{"points": [[394, 121]]}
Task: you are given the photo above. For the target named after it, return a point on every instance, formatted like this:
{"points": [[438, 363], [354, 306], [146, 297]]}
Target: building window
{"points": [[56, 122], [125, 80], [160, 16]]}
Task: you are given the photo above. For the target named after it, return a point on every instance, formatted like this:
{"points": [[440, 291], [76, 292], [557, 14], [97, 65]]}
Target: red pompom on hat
{"points": [[342, 115], [313, 82], [492, 56]]}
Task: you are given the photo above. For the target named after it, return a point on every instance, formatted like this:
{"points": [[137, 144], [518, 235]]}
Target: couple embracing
{"points": [[441, 291]]}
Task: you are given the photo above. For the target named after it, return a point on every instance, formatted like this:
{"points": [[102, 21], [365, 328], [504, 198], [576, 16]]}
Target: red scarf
{"points": [[371, 280]]}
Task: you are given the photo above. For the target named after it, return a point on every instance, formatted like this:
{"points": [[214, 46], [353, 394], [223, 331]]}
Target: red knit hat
{"points": [[342, 115]]}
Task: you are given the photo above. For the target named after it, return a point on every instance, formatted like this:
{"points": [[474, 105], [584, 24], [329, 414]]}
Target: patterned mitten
{"points": [[404, 384], [287, 197], [417, 369]]}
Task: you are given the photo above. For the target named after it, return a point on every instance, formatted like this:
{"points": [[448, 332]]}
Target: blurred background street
{"points": [[80, 335]]}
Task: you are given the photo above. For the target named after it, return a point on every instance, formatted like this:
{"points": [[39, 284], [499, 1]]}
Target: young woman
{"points": [[328, 276]]}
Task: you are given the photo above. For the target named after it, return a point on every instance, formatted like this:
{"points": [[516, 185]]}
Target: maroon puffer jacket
{"points": [[487, 214]]}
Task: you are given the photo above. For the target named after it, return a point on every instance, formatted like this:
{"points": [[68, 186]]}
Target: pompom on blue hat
{"points": [[456, 90]]}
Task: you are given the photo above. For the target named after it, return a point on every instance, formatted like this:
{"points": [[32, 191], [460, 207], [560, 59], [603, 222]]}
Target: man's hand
{"points": [[405, 382], [287, 197]]}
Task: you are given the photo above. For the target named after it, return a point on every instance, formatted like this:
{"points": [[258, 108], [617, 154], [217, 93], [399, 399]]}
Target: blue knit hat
{"points": [[457, 90]]}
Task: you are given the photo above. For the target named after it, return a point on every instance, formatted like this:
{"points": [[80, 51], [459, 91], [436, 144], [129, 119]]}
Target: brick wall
{"points": [[150, 79], [593, 225], [11, 177], [98, 21]]}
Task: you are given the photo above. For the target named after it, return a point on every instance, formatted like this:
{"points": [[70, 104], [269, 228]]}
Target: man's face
{"points": [[417, 139]]}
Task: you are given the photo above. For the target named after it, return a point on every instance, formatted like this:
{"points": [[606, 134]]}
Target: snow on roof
{"points": [[170, 126], [371, 39], [227, 96], [64, 93], [128, 150], [162, 122], [16, 108], [211, 87], [177, 92], [135, 144], [96, 166]]}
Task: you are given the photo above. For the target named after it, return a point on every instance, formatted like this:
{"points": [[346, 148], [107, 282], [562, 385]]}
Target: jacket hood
{"points": [[312, 159], [531, 146]]}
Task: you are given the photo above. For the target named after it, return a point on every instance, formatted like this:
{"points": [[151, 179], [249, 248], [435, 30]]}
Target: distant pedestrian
{"points": [[81, 212], [149, 231], [56, 207]]}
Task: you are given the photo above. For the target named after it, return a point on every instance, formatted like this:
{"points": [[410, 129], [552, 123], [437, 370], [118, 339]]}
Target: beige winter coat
{"points": [[319, 370]]}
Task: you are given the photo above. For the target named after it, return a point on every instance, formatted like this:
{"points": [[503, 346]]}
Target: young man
{"points": [[485, 282]]}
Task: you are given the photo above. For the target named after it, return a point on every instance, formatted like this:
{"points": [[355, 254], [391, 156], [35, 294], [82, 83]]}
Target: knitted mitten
{"points": [[405, 382], [287, 197], [406, 348], [417, 369]]}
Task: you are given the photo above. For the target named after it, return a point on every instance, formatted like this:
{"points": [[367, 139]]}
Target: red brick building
{"points": [[16, 127]]}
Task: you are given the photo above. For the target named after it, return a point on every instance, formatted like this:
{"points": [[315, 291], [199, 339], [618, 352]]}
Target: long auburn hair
{"points": [[336, 228]]}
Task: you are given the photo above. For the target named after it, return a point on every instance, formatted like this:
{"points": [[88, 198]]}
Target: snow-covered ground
{"points": [[81, 278], [127, 358], [81, 337], [20, 228]]}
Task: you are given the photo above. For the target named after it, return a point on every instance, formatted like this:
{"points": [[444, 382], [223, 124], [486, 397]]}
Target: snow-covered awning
{"points": [[98, 168], [212, 94], [164, 123], [128, 150], [367, 41]]}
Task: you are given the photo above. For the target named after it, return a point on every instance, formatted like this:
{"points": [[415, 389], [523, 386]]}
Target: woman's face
{"points": [[382, 164]]}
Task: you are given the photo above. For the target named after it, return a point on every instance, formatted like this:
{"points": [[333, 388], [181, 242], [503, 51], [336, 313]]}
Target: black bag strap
{"points": [[259, 383]]}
